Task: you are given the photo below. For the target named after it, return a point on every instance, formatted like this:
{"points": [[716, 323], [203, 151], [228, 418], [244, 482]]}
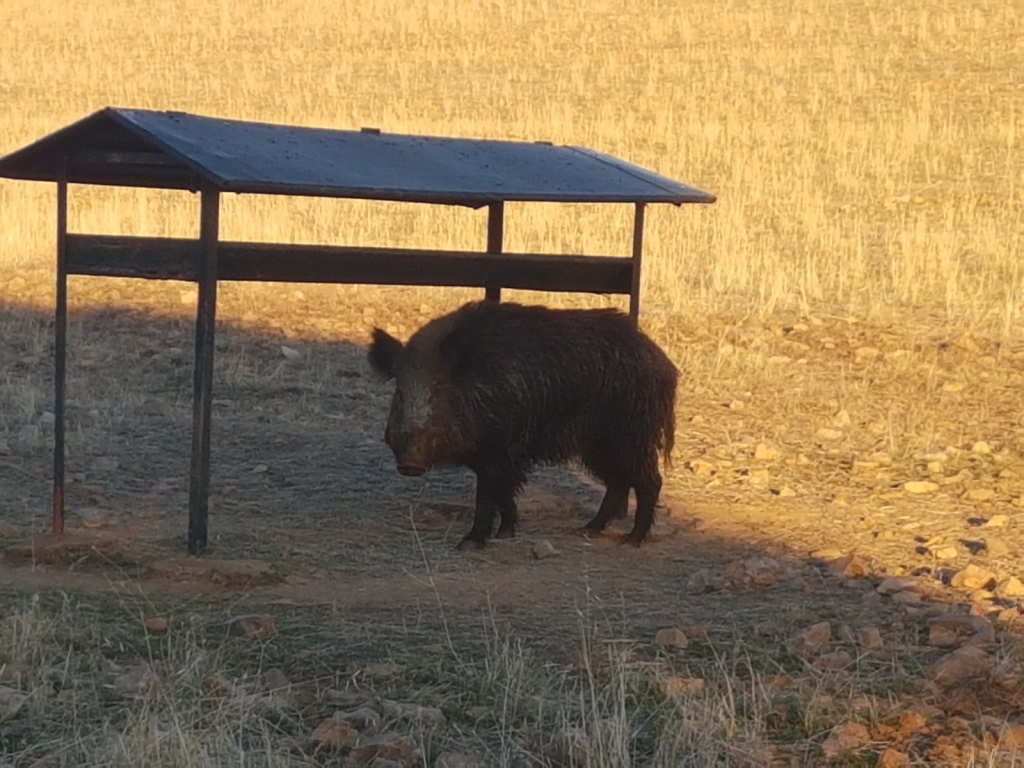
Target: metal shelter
{"points": [[175, 150]]}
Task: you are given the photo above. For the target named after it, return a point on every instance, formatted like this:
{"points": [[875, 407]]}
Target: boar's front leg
{"points": [[496, 489]]}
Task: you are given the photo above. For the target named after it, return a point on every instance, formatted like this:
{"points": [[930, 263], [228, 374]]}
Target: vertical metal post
{"points": [[495, 240], [199, 478], [60, 345], [638, 250]]}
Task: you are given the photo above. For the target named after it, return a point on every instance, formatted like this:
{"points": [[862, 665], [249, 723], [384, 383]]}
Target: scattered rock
{"points": [[757, 572], [364, 718], [866, 354], [431, 717], [671, 637], [981, 447], [544, 549], [1010, 588], [997, 521], [953, 629], [1008, 615], [827, 554], [675, 687], [980, 494], [7, 531], [1011, 736], [785, 492], [850, 567], [135, 681], [699, 583], [220, 688], [841, 419], [700, 467], [255, 626], [334, 734], [995, 547], [829, 435], [759, 477], [763, 453], [11, 701], [959, 666], [893, 758], [946, 552], [870, 638], [845, 737], [276, 680], [920, 486], [907, 597], [836, 660], [386, 746], [290, 353], [156, 625], [973, 577], [929, 712], [893, 584], [94, 517], [761, 571], [911, 722], [811, 640]]}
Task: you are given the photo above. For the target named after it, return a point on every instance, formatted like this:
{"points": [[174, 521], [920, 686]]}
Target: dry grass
{"points": [[101, 690], [867, 155]]}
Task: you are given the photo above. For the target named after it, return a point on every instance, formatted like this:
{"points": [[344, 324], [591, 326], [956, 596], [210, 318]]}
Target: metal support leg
{"points": [[495, 238], [60, 347], [638, 250], [199, 479]]}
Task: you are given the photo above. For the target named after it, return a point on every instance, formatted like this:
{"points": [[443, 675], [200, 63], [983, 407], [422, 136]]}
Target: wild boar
{"points": [[502, 388]]}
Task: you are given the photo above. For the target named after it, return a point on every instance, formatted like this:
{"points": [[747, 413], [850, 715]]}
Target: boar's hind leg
{"points": [[614, 505], [495, 492], [647, 491]]}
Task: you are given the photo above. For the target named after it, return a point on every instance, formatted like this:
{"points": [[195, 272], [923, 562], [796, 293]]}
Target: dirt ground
{"points": [[797, 437]]}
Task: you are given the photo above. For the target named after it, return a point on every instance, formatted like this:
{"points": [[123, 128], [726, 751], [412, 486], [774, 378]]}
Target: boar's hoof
{"points": [[633, 538], [505, 533], [471, 544]]}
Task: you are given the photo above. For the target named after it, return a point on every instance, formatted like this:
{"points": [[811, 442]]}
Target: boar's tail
{"points": [[668, 438]]}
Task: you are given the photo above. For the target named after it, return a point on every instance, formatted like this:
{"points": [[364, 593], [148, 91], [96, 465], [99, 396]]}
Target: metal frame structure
{"points": [[174, 150]]}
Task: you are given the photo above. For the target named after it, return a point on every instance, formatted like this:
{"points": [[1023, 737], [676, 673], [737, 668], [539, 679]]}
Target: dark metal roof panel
{"points": [[175, 150]]}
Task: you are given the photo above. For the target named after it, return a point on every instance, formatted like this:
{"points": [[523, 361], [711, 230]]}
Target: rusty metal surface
{"points": [[176, 150]]}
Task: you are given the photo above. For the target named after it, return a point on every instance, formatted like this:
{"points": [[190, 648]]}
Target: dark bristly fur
{"points": [[502, 388]]}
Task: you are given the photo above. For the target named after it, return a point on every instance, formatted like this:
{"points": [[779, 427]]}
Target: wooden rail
{"points": [[163, 258]]}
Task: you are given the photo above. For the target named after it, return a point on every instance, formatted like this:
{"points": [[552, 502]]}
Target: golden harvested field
{"points": [[841, 544]]}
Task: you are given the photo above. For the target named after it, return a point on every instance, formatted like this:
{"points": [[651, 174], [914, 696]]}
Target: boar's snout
{"points": [[399, 444]]}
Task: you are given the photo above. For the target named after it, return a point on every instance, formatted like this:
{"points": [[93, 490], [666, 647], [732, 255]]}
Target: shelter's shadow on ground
{"points": [[302, 481]]}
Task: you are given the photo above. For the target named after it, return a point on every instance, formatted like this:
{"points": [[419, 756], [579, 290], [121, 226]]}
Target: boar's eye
{"points": [[460, 354]]}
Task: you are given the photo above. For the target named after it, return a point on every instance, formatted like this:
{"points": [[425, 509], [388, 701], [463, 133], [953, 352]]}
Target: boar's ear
{"points": [[382, 354]]}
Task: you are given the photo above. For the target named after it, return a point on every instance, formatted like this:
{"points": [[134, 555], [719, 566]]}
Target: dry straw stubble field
{"points": [[848, 318]]}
